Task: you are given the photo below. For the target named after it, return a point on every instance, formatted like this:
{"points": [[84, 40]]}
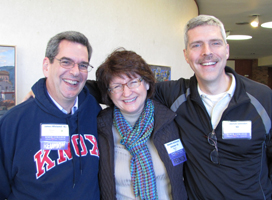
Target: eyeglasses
{"points": [[69, 64], [212, 139], [118, 88]]}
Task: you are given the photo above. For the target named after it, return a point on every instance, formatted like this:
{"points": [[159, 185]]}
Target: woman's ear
{"points": [[146, 86]]}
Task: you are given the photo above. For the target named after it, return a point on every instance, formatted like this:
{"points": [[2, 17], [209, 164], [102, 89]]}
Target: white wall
{"points": [[152, 28]]}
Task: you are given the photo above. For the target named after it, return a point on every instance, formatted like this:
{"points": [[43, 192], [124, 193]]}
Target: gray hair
{"points": [[52, 48], [202, 20]]}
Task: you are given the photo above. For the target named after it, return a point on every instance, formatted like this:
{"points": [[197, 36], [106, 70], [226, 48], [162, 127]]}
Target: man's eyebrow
{"points": [[211, 40], [217, 39], [67, 58], [195, 42], [198, 41], [85, 62]]}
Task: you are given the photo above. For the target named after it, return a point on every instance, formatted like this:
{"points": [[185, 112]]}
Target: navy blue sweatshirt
{"points": [[28, 172]]}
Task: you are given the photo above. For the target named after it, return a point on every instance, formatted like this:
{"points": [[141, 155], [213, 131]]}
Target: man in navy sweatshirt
{"points": [[48, 144]]}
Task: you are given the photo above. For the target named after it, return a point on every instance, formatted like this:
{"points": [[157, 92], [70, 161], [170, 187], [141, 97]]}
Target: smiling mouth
{"points": [[130, 100], [70, 82], [208, 63]]}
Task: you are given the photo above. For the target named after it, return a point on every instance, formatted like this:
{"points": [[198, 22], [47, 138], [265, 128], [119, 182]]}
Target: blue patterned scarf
{"points": [[134, 139]]}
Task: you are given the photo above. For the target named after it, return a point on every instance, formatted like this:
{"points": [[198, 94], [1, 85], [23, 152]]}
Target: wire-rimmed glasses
{"points": [[212, 139], [69, 64], [118, 88]]}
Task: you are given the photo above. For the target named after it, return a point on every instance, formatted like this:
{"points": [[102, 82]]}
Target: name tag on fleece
{"points": [[236, 130]]}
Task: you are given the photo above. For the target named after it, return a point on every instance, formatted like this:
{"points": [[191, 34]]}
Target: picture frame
{"points": [[161, 73], [7, 78]]}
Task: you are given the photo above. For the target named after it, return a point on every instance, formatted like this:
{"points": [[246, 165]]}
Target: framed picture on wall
{"points": [[161, 73], [7, 77]]}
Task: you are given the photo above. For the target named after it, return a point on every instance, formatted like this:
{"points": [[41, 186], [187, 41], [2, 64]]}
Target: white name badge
{"points": [[54, 136], [176, 152], [236, 130]]}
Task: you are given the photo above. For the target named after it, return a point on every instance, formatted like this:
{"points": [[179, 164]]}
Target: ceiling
{"points": [[231, 12]]}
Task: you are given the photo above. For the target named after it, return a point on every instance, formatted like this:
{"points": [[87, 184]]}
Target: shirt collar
{"points": [[232, 86], [230, 91], [73, 110]]}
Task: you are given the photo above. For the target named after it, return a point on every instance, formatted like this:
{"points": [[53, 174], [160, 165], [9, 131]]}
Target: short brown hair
{"points": [[52, 48], [123, 62]]}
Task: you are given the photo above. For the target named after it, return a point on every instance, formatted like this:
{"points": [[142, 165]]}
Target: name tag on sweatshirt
{"points": [[176, 152], [54, 136]]}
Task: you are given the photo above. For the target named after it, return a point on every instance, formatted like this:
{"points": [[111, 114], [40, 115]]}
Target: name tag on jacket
{"points": [[236, 130]]}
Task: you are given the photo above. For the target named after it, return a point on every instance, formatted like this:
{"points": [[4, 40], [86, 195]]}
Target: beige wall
{"points": [[265, 61], [152, 28], [231, 63]]}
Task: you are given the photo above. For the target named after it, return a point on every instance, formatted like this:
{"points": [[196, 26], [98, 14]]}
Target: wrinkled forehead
{"points": [[205, 31]]}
